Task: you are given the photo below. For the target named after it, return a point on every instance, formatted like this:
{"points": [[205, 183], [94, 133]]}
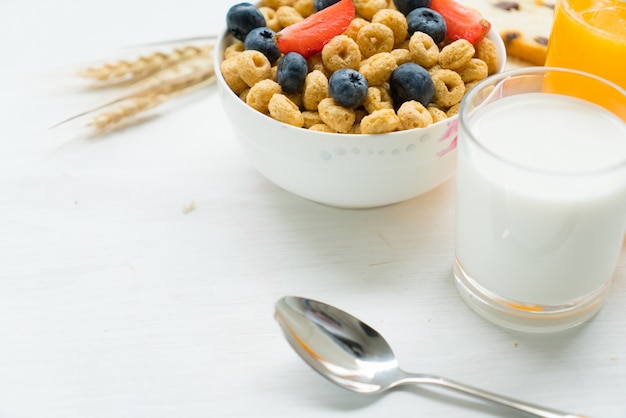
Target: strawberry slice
{"points": [[309, 36], [462, 22]]}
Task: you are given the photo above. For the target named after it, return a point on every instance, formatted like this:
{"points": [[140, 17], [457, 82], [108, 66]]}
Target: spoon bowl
{"points": [[353, 355]]}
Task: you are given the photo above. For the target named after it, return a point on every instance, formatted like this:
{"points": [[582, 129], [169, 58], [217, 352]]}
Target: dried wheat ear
{"points": [[149, 80]]}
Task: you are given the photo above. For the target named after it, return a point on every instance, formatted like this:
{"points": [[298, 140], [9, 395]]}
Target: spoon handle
{"points": [[534, 410]]}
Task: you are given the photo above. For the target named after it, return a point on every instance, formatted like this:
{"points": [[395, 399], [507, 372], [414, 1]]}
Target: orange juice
{"points": [[590, 36]]}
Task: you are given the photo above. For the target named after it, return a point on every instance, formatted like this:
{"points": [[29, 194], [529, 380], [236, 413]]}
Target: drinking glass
{"points": [[541, 197]]}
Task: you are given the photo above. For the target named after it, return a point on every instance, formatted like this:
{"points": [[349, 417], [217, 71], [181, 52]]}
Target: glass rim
{"points": [[497, 79]]}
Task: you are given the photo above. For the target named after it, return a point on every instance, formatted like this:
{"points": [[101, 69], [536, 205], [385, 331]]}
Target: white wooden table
{"points": [[138, 272]]}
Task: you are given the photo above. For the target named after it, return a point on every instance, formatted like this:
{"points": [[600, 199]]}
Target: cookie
{"points": [[524, 25]]}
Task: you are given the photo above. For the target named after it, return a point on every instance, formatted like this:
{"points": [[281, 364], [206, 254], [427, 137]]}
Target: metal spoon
{"points": [[354, 356]]}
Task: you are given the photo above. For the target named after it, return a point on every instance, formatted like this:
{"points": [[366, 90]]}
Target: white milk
{"points": [[548, 228]]}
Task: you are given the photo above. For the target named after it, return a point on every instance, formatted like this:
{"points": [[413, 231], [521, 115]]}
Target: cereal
{"points": [[486, 51], [424, 50], [271, 21], [437, 114], [456, 54], [305, 7], [336, 116], [230, 72], [374, 38], [284, 110], [380, 122], [261, 93], [375, 43], [368, 8], [315, 90], [341, 52], [296, 98], [275, 4], [355, 26], [413, 114], [449, 88], [244, 94], [233, 50], [378, 68], [322, 127], [475, 70], [287, 15], [311, 117], [453, 111], [377, 98], [253, 67], [395, 21], [401, 55]]}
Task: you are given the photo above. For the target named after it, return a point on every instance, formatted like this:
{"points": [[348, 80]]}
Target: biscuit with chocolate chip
{"points": [[524, 25]]}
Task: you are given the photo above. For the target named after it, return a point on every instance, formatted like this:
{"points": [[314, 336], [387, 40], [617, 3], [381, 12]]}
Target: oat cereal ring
{"points": [[271, 21], [287, 15], [244, 94], [356, 129], [296, 98], [424, 50], [486, 51], [336, 116], [377, 69], [315, 62], [377, 98], [449, 88], [456, 54], [341, 52], [315, 90], [453, 111], [374, 38], [401, 55], [233, 50], [275, 4], [260, 94], [253, 67], [230, 72], [380, 122], [322, 127], [354, 27], [395, 21], [475, 70], [284, 110], [305, 7], [437, 114], [311, 117], [413, 114], [471, 84], [368, 8]]}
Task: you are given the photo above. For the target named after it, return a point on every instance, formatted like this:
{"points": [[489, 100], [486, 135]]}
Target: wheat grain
{"points": [[128, 71]]}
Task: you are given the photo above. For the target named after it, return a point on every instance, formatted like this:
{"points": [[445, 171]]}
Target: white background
{"points": [[118, 301]]}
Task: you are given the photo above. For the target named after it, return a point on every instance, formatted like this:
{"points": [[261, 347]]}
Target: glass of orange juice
{"points": [[590, 36]]}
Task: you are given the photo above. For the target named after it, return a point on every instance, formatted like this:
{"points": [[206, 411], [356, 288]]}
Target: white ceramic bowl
{"points": [[344, 170]]}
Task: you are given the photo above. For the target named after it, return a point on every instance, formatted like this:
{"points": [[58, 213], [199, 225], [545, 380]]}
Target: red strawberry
{"points": [[311, 34], [462, 22]]}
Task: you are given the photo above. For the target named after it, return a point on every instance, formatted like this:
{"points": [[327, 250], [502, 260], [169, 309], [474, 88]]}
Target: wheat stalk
{"points": [[128, 71], [153, 91]]}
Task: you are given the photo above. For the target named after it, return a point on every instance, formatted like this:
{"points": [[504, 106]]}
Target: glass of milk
{"points": [[541, 197]]}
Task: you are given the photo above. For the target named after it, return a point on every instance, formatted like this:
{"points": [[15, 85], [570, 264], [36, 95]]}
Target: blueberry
{"points": [[406, 6], [262, 40], [348, 87], [291, 72], [411, 82], [242, 18], [322, 4], [428, 21]]}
